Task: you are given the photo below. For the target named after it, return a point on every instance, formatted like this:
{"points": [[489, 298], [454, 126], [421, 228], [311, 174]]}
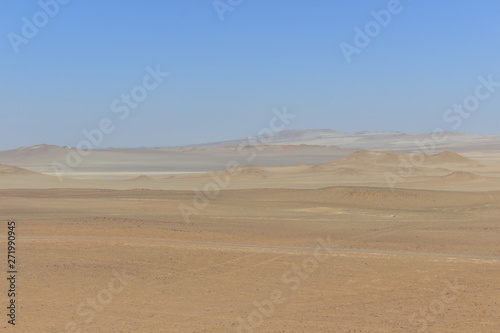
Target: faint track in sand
{"points": [[264, 248]]}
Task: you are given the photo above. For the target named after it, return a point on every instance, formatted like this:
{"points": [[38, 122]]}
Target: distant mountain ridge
{"points": [[372, 140], [369, 140]]}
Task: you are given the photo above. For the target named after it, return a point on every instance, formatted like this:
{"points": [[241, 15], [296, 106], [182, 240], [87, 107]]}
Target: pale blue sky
{"points": [[227, 76]]}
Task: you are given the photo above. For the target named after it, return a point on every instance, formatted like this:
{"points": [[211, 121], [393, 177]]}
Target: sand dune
{"points": [[361, 168], [366, 157], [387, 158], [447, 157], [142, 178], [463, 176]]}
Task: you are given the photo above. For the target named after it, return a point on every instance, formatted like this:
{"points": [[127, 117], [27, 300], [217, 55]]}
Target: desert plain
{"points": [[310, 238]]}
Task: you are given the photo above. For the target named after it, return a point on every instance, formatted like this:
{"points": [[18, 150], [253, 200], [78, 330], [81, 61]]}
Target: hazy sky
{"points": [[226, 76]]}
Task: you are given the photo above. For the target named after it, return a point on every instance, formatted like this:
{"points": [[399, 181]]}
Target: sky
{"points": [[203, 71]]}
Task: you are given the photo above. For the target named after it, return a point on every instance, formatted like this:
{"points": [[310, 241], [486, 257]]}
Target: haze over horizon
{"points": [[225, 77], [371, 140]]}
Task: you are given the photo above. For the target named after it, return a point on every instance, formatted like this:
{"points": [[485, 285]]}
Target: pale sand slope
{"points": [[388, 265]]}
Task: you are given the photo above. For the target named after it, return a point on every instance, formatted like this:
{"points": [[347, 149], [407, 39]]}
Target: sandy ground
{"points": [[341, 259]]}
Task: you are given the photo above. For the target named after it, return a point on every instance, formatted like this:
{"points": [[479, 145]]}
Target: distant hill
{"points": [[9, 170], [372, 140], [13, 172]]}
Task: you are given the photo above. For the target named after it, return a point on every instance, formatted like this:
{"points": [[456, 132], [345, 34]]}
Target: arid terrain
{"points": [[326, 246]]}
